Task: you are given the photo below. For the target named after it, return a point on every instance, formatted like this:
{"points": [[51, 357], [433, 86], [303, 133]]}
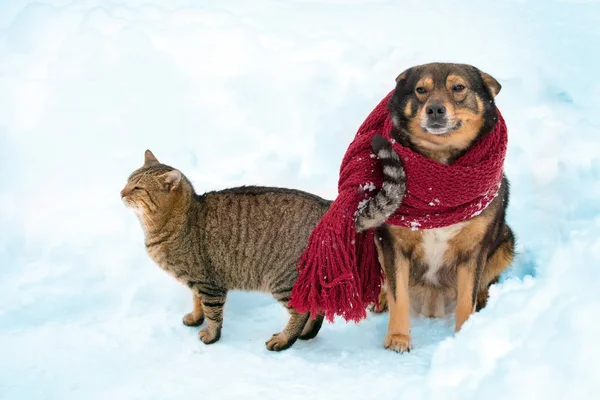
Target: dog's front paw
{"points": [[398, 342], [192, 319], [209, 335]]}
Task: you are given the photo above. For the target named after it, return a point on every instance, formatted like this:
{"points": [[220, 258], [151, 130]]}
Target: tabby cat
{"points": [[245, 238]]}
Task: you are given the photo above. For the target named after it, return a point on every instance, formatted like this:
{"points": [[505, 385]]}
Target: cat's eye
{"points": [[137, 188]]}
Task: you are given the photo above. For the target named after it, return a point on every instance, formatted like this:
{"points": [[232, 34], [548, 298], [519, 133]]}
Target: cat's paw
{"points": [[209, 335], [279, 342], [398, 342], [193, 320]]}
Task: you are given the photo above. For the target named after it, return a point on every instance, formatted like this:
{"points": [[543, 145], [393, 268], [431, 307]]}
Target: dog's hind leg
{"points": [[497, 262]]}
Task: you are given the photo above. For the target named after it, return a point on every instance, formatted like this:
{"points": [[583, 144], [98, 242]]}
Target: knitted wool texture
{"points": [[339, 273]]}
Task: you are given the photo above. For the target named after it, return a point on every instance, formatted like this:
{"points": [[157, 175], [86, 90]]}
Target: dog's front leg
{"points": [[398, 333], [465, 302]]}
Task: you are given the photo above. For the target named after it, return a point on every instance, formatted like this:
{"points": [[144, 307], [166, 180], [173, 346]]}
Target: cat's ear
{"points": [[149, 159], [172, 179]]}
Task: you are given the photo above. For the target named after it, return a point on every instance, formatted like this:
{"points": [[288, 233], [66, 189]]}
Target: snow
{"points": [[269, 92], [368, 187]]}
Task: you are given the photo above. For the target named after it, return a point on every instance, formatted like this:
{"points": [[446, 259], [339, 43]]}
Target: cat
{"points": [[244, 238]]}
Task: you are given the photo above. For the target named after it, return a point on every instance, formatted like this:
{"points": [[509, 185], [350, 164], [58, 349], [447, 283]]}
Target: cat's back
{"points": [[252, 231], [265, 207]]}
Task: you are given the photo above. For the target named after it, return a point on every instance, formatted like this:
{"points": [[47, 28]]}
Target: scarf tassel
{"points": [[338, 279]]}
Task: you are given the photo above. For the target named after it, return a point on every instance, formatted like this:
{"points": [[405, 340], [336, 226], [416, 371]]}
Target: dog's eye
{"points": [[458, 88], [421, 90]]}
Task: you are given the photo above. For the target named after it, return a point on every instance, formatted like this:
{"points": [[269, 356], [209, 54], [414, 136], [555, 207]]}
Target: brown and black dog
{"points": [[439, 110]]}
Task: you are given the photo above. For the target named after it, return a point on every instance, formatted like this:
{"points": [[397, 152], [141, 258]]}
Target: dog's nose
{"points": [[435, 111]]}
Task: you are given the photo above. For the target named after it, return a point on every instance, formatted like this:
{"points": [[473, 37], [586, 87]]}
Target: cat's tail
{"points": [[379, 208], [312, 327]]}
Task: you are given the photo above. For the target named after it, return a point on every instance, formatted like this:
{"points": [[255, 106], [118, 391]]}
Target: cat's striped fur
{"points": [[246, 238], [379, 208]]}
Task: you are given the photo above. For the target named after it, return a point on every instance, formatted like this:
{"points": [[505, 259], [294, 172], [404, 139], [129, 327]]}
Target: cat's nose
{"points": [[124, 193]]}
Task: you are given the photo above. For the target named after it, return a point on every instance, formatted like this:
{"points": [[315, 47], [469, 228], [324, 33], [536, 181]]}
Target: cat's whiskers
{"points": [[148, 221]]}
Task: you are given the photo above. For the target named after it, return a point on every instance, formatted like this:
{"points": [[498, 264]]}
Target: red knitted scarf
{"points": [[339, 273]]}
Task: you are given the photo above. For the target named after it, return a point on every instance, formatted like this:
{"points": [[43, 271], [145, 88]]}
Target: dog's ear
{"points": [[402, 76], [491, 83]]}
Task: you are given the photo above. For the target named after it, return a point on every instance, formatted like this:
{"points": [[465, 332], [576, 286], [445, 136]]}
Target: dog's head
{"points": [[443, 105]]}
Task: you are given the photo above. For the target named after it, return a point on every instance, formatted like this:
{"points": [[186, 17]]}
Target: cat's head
{"points": [[155, 188]]}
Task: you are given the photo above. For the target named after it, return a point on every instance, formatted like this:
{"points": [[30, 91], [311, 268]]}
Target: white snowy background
{"points": [[271, 92]]}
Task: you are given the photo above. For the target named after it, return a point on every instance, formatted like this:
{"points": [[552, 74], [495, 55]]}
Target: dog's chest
{"points": [[436, 243]]}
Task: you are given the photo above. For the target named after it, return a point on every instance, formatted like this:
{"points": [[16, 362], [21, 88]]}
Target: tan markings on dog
{"points": [[433, 147], [398, 333], [471, 124], [498, 262], [491, 83], [463, 107], [427, 83], [441, 147], [408, 108], [465, 302], [455, 80], [471, 234], [407, 240], [469, 242]]}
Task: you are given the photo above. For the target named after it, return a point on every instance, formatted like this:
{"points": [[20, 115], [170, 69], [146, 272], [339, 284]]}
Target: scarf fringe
{"points": [[338, 279]]}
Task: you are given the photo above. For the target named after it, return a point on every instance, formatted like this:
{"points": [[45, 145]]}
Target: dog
{"points": [[440, 110]]}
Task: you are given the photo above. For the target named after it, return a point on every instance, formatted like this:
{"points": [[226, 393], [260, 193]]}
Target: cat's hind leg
{"points": [[196, 317], [213, 301], [286, 338], [312, 327]]}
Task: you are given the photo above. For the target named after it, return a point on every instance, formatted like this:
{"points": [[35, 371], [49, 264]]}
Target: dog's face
{"points": [[444, 105]]}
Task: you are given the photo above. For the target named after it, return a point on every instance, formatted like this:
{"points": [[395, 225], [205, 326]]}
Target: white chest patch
{"points": [[435, 244]]}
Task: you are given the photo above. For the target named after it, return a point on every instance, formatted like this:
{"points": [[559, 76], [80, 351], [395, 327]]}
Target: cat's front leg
{"points": [[213, 301], [213, 310]]}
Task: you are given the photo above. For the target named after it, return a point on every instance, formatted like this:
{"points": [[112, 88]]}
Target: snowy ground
{"points": [[271, 92]]}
